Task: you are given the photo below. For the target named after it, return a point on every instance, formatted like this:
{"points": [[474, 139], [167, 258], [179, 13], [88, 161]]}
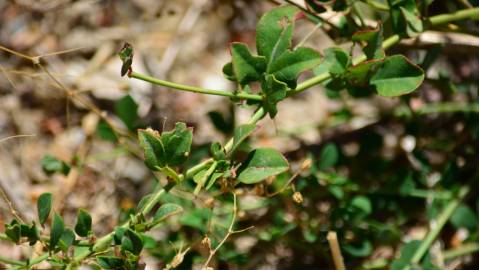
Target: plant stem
{"points": [[456, 16], [332, 238], [195, 89], [11, 261], [461, 251], [441, 221]]}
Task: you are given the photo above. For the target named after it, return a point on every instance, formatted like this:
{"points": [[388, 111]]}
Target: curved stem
{"points": [[195, 89]]}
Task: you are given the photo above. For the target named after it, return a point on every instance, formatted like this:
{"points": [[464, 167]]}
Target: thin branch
{"points": [[228, 234]]}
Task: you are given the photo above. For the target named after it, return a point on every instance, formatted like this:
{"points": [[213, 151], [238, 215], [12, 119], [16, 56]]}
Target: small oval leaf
{"points": [[261, 164], [44, 206], [167, 210], [84, 221], [58, 227]]}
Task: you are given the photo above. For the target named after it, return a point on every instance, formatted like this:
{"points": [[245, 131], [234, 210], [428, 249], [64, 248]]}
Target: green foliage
{"points": [[44, 207], [51, 165], [364, 195], [83, 225]]}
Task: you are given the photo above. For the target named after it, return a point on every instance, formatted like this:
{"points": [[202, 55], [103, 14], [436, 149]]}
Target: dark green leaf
{"points": [[329, 156], [274, 32], [274, 91], [222, 123], [109, 262], [241, 133], [397, 76], [360, 74], [127, 110], [30, 232], [118, 236], [177, 144], [247, 68], [364, 249], [362, 203], [287, 67], [13, 231], [44, 206], [261, 164], [51, 165], [153, 148], [132, 242], [316, 6], [84, 221], [58, 227], [167, 210]]}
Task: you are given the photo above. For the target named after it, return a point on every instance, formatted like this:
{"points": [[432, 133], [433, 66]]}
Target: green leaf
{"points": [[228, 72], [374, 40], [44, 206], [132, 242], [58, 227], [177, 144], [329, 156], [365, 248], [153, 148], [464, 217], [51, 165], [407, 252], [110, 262], [165, 211], [104, 131], [360, 74], [287, 67], [274, 91], [127, 110], [13, 231], [274, 32], [261, 164], [67, 239], [241, 133], [30, 232], [336, 61], [247, 68], [84, 221], [414, 23], [362, 203], [397, 76], [405, 17], [217, 151]]}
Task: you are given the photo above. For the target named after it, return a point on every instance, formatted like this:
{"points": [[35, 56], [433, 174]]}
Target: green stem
{"points": [[456, 16], [441, 221], [461, 251], [11, 261], [195, 89], [205, 177]]}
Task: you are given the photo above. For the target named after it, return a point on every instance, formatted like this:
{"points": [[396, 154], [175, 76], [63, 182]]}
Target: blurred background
{"points": [[378, 164]]}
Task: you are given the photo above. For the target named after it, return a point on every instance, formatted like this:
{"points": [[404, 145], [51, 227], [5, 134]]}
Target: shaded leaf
{"points": [[67, 239], [464, 217], [261, 164], [336, 61], [217, 151], [228, 72], [329, 156], [109, 262], [13, 231], [104, 131], [132, 242]]}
